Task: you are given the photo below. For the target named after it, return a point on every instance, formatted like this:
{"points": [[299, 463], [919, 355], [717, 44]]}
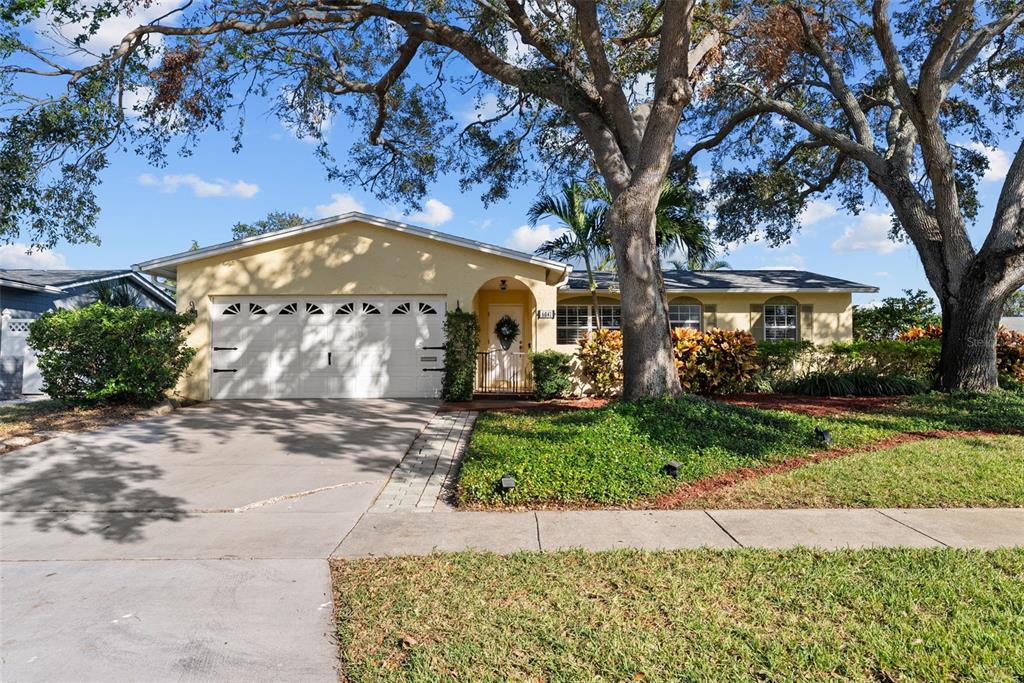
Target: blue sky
{"points": [[149, 212]]}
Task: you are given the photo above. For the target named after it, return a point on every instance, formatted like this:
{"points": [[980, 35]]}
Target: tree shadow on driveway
{"points": [[115, 482]]}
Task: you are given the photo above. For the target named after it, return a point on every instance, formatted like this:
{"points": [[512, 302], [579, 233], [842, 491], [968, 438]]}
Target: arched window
{"points": [[427, 309], [289, 309], [314, 309], [256, 309], [781, 319], [685, 312], [346, 309], [233, 309], [402, 308], [370, 309]]}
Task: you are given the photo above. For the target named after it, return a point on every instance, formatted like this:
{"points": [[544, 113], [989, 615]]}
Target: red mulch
{"points": [[698, 488], [513, 404], [815, 406]]}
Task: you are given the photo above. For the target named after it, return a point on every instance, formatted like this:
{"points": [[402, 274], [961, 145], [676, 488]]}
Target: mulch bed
{"points": [[815, 406]]}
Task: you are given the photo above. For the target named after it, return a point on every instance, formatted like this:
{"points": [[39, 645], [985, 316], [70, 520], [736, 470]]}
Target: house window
{"points": [[684, 315], [314, 309], [233, 309], [780, 322], [345, 309], [427, 309], [370, 309], [571, 322], [289, 309], [402, 309], [256, 309]]}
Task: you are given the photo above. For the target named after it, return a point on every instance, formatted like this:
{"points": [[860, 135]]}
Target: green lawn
{"points": [[615, 454], [867, 615], [973, 471]]}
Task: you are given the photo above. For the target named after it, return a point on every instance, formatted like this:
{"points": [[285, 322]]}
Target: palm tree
{"points": [[585, 238], [717, 264], [119, 293], [678, 226]]}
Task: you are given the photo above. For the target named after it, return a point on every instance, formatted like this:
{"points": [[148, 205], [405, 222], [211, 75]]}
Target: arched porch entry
{"points": [[502, 359]]}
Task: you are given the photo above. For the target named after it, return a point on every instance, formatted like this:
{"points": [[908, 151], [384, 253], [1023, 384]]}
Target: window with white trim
{"points": [[780, 322], [573, 321], [685, 315]]}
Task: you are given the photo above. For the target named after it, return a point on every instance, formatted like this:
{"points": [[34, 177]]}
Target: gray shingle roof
{"points": [[730, 280], [56, 278]]}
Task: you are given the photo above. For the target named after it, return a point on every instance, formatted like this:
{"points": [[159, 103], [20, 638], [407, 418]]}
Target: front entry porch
{"points": [[507, 311]]}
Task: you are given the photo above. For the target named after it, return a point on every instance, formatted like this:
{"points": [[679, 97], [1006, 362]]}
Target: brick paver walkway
{"points": [[424, 480]]}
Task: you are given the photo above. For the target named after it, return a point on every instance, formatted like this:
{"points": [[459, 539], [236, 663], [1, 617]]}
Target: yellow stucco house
{"points": [[353, 306]]}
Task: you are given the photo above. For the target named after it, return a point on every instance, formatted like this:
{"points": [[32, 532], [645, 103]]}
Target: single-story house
{"points": [[27, 294], [1012, 323], [352, 306]]}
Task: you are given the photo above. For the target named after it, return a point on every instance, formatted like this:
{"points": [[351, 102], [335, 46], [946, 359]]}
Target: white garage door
{"points": [[337, 347]]}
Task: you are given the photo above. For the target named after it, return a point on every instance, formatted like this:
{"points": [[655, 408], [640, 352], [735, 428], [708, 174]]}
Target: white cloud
{"points": [[339, 204], [519, 53], [526, 238], [998, 162], [882, 273], [19, 255], [434, 213], [483, 108], [815, 211], [871, 233], [200, 187], [110, 32]]}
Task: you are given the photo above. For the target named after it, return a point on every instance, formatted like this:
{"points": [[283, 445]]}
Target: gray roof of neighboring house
{"points": [[767, 281], [57, 278], [55, 281]]}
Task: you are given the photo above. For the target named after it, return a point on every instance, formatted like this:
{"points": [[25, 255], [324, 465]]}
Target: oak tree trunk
{"points": [[648, 365], [970, 322]]}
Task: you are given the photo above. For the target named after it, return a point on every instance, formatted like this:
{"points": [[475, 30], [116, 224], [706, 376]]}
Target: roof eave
{"points": [[750, 290], [17, 284]]}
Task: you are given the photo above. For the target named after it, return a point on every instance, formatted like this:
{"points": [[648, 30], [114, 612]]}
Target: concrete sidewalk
{"points": [[401, 533]]}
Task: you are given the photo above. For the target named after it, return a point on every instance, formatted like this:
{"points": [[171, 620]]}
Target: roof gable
{"points": [[167, 266]]}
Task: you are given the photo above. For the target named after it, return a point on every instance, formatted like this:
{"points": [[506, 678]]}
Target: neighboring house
{"points": [[353, 306], [27, 294]]}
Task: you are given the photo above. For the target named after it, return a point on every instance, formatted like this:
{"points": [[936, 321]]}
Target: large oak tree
{"points": [[852, 98], [563, 86]]}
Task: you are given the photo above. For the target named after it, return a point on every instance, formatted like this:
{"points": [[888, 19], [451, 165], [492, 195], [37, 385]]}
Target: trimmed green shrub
{"points": [[855, 383], [111, 353], [716, 361], [552, 374], [461, 340], [600, 355], [917, 358]]}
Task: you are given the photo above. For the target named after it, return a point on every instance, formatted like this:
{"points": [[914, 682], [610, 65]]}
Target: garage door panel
{"points": [[326, 347]]}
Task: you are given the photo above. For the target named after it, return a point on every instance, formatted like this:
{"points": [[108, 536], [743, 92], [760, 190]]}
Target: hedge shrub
{"points": [[461, 340], [600, 355], [552, 374], [111, 353], [716, 361]]}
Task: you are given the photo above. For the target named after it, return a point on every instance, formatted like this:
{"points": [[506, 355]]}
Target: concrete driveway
{"points": [[192, 546]]}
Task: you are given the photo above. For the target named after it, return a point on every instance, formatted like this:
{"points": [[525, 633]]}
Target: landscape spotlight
{"points": [[671, 469], [507, 483], [823, 436]]}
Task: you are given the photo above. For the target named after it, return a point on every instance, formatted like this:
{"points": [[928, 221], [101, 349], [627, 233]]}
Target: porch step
{"points": [[502, 396]]}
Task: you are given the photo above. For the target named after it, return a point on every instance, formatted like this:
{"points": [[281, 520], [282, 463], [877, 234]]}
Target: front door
{"points": [[505, 366]]}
